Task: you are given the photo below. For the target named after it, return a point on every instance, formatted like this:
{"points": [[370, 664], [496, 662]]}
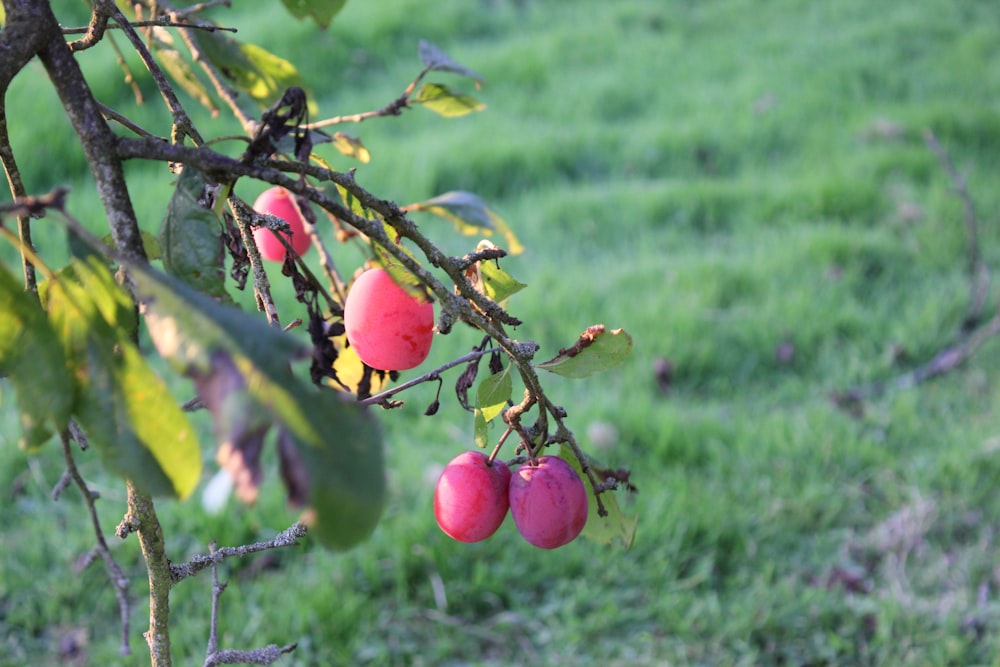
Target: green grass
{"points": [[719, 178]]}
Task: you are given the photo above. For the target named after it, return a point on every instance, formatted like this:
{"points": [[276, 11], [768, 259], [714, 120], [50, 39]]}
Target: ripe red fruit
{"points": [[279, 202], [470, 501], [548, 502], [390, 329]]}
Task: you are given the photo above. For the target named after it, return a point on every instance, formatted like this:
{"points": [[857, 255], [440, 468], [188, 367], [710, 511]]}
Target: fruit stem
{"points": [[496, 450]]}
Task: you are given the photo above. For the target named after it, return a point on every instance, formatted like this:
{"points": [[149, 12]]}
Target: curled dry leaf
{"points": [[597, 349]]}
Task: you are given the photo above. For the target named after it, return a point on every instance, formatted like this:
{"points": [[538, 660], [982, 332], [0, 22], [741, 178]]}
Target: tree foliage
{"points": [[69, 334]]}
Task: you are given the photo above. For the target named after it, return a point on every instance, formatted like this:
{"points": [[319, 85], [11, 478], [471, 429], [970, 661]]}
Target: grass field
{"points": [[746, 188]]}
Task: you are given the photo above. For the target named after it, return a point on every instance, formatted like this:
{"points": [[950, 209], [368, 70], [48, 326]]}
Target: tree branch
{"points": [[96, 138], [286, 538], [383, 396], [17, 191], [261, 284], [141, 519], [20, 40], [259, 656], [94, 32]]}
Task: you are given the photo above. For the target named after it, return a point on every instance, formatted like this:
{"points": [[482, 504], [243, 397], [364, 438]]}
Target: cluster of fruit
{"points": [[390, 329], [547, 499]]}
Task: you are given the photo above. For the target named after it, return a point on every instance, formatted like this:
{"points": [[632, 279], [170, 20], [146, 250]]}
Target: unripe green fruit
{"points": [[280, 202], [548, 502], [470, 500], [389, 328]]}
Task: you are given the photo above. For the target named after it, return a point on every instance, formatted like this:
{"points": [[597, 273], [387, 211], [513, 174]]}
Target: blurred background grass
{"points": [[745, 187]]}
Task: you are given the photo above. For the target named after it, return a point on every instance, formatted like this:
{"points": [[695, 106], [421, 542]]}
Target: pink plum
{"points": [[470, 500]]}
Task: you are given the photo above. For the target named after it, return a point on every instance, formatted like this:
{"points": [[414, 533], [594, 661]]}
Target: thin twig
{"points": [[261, 284], [213, 656], [217, 589], [213, 74], [484, 255], [258, 656], [382, 397], [394, 108], [325, 259], [111, 114], [156, 23], [127, 70], [199, 7], [115, 575], [17, 190], [182, 123], [286, 538]]}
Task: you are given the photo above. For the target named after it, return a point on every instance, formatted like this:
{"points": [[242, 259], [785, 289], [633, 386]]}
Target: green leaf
{"points": [[493, 393], [90, 268], [320, 11], [435, 59], [191, 236], [493, 281], [178, 66], [262, 75], [351, 147], [492, 396], [470, 215], [350, 201], [596, 350], [399, 273], [150, 244], [129, 415], [342, 450], [616, 526], [188, 328], [444, 101], [330, 448], [480, 432], [32, 357]]}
